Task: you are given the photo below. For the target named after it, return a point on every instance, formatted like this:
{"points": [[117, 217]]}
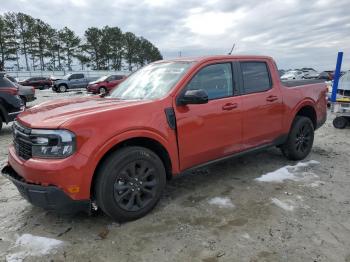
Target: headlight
{"points": [[52, 143]]}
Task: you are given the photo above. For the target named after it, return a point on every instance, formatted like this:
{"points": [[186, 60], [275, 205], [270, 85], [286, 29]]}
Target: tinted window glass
{"points": [[77, 76], [216, 80], [118, 77], [112, 78], [4, 82], [255, 77]]}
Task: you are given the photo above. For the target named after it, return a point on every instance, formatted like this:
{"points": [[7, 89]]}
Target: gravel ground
{"points": [[253, 208]]}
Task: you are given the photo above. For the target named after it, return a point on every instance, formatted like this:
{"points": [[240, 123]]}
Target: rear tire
{"points": [[0, 123], [300, 139], [129, 183], [340, 122]]}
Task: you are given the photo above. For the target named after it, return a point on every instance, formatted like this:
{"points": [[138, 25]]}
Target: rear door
{"points": [[262, 104], [213, 130]]}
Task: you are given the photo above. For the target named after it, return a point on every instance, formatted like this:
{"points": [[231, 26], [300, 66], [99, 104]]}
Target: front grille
{"points": [[21, 141]]}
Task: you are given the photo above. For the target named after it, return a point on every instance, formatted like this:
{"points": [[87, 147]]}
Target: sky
{"points": [[295, 33]]}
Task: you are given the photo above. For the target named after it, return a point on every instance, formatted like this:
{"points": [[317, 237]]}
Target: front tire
{"points": [[24, 100], [62, 88], [129, 183], [0, 123], [300, 139], [102, 90]]}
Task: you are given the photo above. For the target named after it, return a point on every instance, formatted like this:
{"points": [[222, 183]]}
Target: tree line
{"points": [[31, 44]]}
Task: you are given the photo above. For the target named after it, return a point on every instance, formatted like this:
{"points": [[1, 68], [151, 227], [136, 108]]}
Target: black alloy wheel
{"points": [[129, 183], [136, 186], [300, 139]]}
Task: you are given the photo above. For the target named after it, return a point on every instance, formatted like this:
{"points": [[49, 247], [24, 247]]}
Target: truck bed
{"points": [[293, 83]]}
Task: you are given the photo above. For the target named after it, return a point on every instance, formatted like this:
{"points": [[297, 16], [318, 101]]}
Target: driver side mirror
{"points": [[198, 96]]}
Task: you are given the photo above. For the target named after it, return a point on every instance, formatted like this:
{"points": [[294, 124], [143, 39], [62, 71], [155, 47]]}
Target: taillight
{"points": [[9, 90]]}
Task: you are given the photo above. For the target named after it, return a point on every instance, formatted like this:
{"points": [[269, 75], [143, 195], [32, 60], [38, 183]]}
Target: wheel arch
{"points": [[144, 141], [308, 110]]}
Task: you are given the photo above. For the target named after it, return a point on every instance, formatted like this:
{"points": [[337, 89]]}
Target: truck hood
{"points": [[55, 113]]}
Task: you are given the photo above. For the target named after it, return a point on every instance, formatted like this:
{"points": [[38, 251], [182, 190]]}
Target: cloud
{"points": [[296, 33]]}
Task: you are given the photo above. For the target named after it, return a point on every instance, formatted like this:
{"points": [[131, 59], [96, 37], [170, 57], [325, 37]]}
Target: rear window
{"points": [[4, 82], [256, 77]]}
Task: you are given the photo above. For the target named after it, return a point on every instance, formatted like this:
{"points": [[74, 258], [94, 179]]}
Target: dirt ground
{"points": [[219, 213]]}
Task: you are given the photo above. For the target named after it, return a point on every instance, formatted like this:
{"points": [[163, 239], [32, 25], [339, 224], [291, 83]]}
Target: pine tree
{"points": [[7, 49], [69, 45]]}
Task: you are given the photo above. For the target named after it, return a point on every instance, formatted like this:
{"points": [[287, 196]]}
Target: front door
{"points": [[213, 130]]}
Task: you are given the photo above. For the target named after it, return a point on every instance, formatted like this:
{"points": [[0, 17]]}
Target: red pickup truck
{"points": [[117, 152]]}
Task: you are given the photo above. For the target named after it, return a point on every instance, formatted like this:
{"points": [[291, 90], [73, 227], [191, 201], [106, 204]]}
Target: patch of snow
{"points": [[316, 184], [246, 236], [30, 245], [286, 173], [224, 202], [283, 205]]}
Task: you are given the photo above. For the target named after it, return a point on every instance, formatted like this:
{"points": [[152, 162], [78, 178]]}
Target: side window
{"points": [[256, 77], [77, 76], [215, 79], [118, 77]]}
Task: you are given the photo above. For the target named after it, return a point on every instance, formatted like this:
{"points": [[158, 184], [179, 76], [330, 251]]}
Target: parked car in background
{"points": [[26, 93], [326, 75], [281, 72], [72, 81], [38, 82], [105, 84], [10, 103], [117, 152], [310, 73], [292, 74]]}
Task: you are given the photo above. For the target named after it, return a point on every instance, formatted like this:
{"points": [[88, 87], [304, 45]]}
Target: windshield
{"points": [[66, 76], [101, 79], [152, 81]]}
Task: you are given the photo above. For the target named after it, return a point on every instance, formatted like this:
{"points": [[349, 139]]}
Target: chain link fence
{"points": [[21, 75]]}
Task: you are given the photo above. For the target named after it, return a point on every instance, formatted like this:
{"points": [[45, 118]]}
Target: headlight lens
{"points": [[52, 143]]}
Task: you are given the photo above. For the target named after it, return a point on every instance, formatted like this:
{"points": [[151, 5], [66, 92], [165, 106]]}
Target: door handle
{"points": [[229, 106], [271, 98]]}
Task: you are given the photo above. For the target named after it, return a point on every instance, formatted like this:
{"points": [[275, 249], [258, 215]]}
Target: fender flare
{"points": [[300, 105], [124, 136]]}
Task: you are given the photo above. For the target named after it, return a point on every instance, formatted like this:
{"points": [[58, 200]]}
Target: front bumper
{"points": [[47, 197], [92, 89]]}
